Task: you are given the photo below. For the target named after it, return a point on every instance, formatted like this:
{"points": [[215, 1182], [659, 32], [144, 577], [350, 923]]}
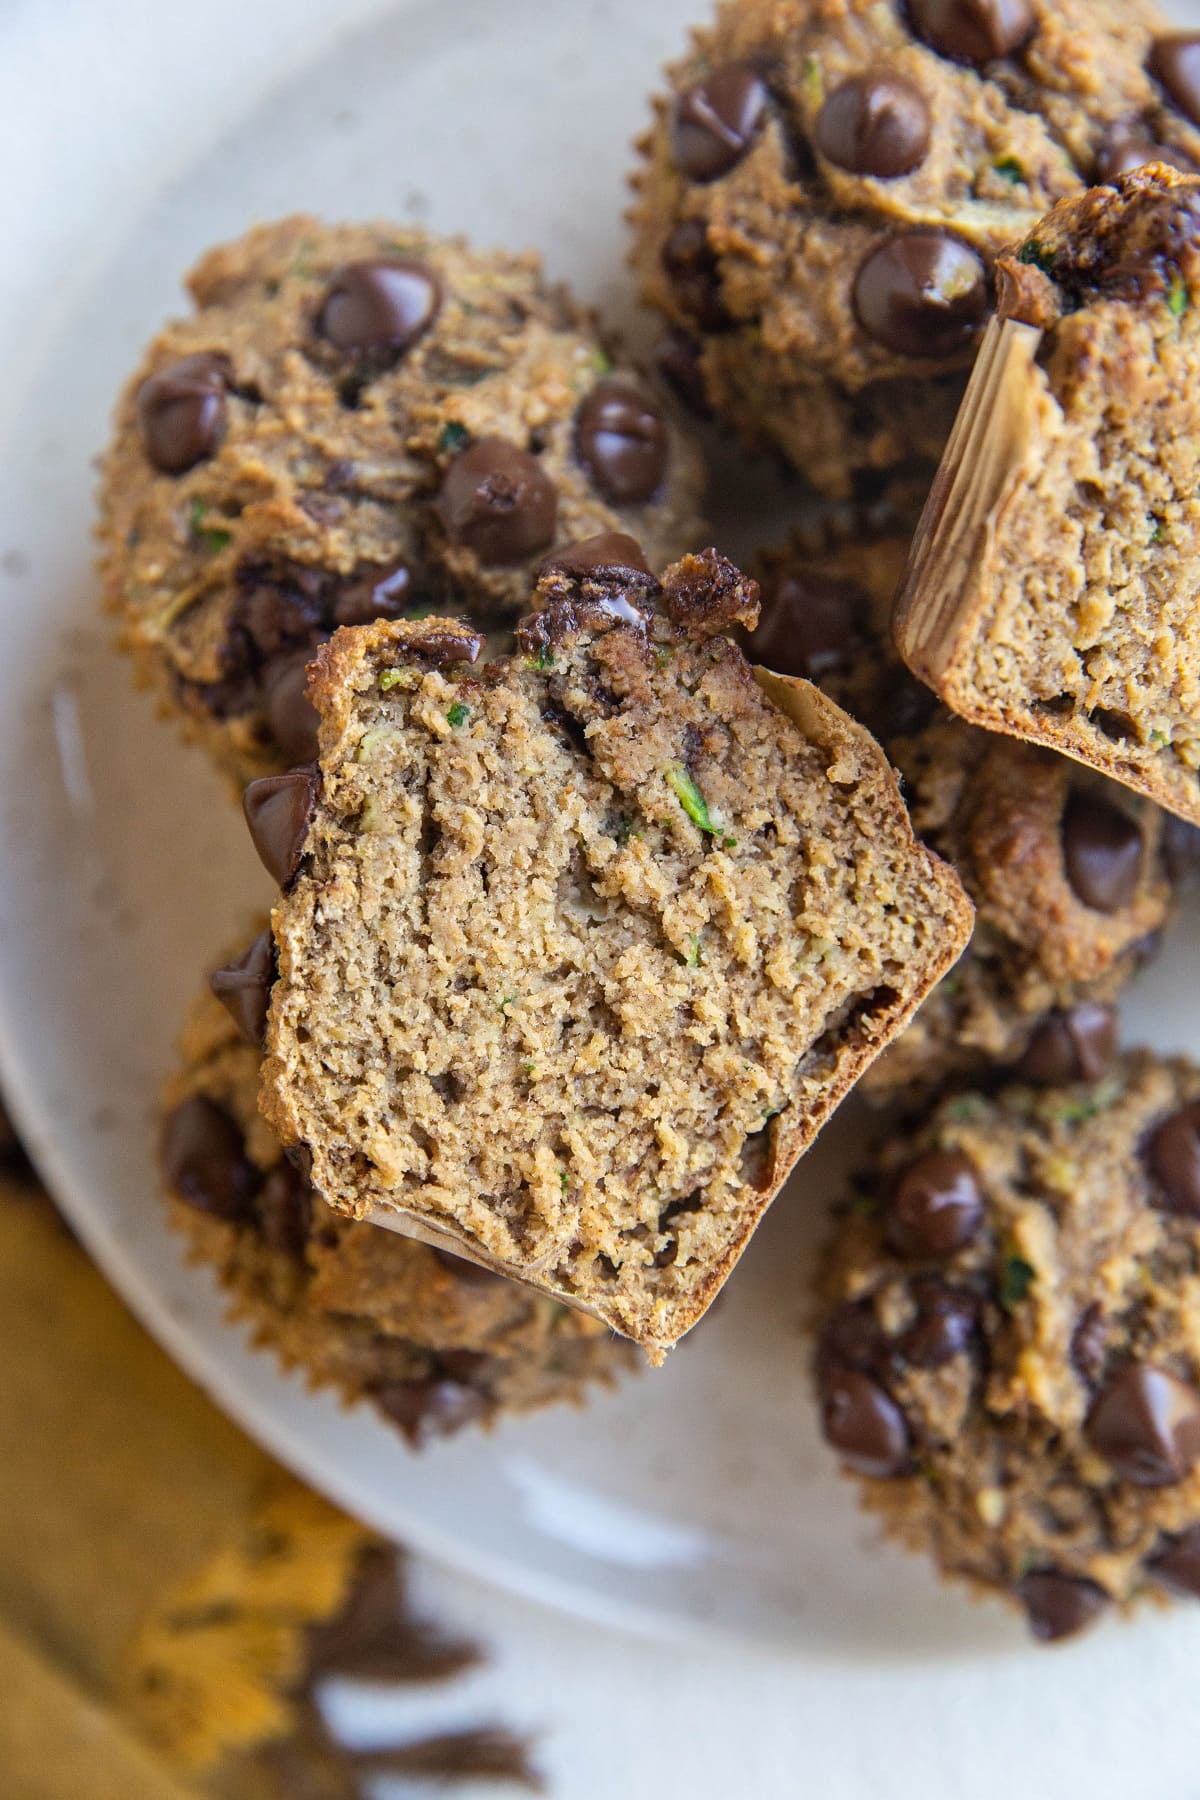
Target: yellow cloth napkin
{"points": [[168, 1595]]}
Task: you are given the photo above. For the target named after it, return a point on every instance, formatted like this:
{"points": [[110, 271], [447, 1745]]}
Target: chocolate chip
{"points": [[974, 31], [472, 1274], [290, 716], [608, 553], [1174, 1158], [1059, 1606], [181, 411], [377, 594], [283, 1210], [936, 1206], [279, 810], [430, 1408], [690, 266], [244, 987], [379, 309], [864, 1425], [435, 643], [715, 121], [811, 625], [853, 1336], [497, 500], [1078, 1045], [874, 124], [946, 1321], [1102, 849], [677, 358], [1089, 1343], [1126, 151], [923, 294], [1145, 1423], [1177, 1564], [621, 441], [204, 1159], [1175, 61], [277, 609]]}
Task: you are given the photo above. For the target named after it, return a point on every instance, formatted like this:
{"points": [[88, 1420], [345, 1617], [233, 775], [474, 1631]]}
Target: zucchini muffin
{"points": [[1069, 873], [1010, 1358], [433, 1342], [827, 183], [361, 422], [1052, 589], [579, 949]]}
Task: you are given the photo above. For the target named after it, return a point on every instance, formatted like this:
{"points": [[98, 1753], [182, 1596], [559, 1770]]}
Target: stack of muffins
{"points": [[606, 870]]}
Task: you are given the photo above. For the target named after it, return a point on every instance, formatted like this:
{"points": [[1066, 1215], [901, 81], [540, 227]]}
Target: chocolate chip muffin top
{"points": [[828, 182], [358, 422], [1009, 1357]]}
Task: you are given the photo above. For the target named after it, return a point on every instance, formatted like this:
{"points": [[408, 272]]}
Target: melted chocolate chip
{"points": [[677, 358], [935, 1207], [435, 1407], [204, 1159], [1177, 1564], [1059, 1606], [378, 594], [279, 810], [923, 294], [181, 411], [1102, 849], [1175, 61], [1078, 1045], [621, 440], [946, 1322], [811, 625], [277, 610], [862, 1422], [974, 31], [1145, 1423], [290, 716], [244, 987], [690, 266], [609, 554], [1125, 151], [874, 124], [378, 310], [435, 644], [497, 500], [1174, 1157], [283, 1210], [715, 121]]}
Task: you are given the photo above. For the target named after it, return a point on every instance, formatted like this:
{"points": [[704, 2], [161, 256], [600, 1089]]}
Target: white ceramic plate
{"points": [[699, 1499]]}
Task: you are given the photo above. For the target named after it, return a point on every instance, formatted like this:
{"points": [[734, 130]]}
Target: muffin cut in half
{"points": [[579, 949], [1071, 876], [1052, 587]]}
